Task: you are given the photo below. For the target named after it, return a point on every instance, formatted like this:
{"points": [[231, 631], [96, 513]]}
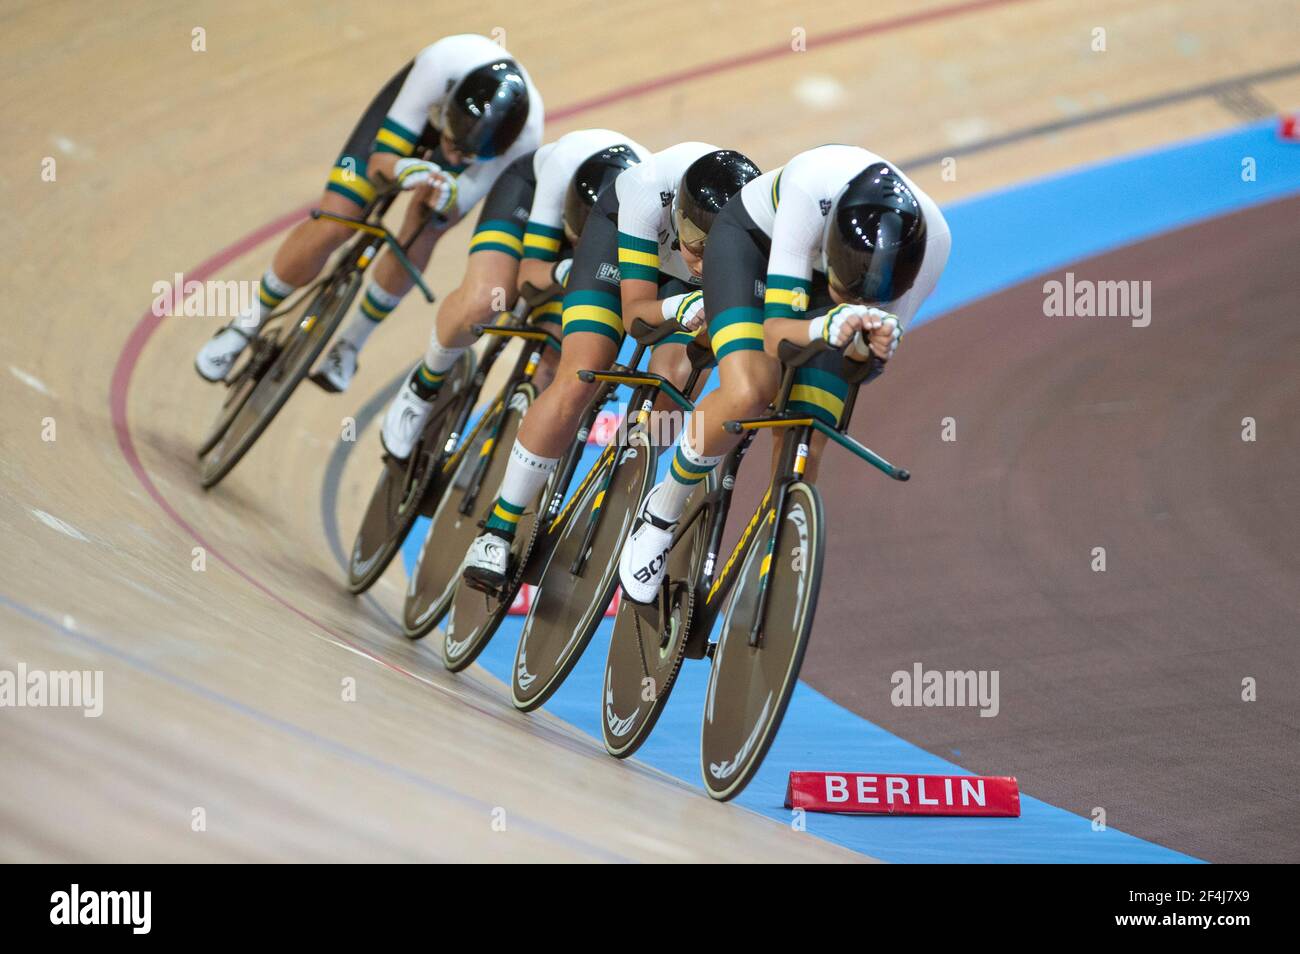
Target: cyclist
{"points": [[528, 214], [464, 97], [640, 256], [837, 245]]}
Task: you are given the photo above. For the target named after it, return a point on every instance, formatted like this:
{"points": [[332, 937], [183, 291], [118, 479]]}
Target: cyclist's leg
{"points": [[735, 268], [308, 246], [819, 391], [593, 331], [500, 229], [670, 359]]}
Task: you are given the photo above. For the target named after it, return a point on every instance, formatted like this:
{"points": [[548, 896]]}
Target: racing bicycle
{"points": [[765, 593], [579, 573], [415, 486], [292, 338], [476, 614]]}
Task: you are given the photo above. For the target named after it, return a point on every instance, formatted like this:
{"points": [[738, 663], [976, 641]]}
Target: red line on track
{"points": [[144, 329], [815, 42]]}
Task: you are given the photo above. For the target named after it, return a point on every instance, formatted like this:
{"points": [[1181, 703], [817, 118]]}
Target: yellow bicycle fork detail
{"points": [[742, 542]]}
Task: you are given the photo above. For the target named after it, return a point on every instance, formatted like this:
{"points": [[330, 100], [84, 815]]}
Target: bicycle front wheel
{"points": [[644, 658], [568, 607], [403, 485], [751, 684], [301, 344], [434, 580]]}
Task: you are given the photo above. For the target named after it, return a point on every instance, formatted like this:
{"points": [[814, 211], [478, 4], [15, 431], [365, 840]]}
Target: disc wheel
{"points": [[433, 582], [300, 344], [403, 485], [567, 607], [475, 616], [646, 650], [750, 686]]}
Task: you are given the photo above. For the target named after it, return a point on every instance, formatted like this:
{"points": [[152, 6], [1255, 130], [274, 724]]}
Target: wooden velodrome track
{"points": [[223, 687]]}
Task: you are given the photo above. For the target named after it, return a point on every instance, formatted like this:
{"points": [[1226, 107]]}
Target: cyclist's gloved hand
{"points": [[441, 195], [880, 337], [687, 308], [413, 172], [560, 273], [838, 326]]}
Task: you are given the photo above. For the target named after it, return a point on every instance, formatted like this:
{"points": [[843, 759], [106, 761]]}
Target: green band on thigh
{"points": [[819, 394]]}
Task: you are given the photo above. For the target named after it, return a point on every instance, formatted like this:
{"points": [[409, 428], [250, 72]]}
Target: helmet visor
{"points": [[689, 235], [461, 127]]}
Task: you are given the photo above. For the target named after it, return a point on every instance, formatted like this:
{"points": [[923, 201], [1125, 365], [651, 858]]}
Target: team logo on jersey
{"points": [[760, 289], [521, 214], [607, 273], [826, 207], [799, 299], [665, 198]]}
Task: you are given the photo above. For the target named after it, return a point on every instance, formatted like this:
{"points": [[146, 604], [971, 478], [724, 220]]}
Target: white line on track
{"points": [[31, 380], [54, 523]]}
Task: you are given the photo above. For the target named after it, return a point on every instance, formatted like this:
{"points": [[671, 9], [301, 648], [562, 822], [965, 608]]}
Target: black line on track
{"points": [[1218, 88]]}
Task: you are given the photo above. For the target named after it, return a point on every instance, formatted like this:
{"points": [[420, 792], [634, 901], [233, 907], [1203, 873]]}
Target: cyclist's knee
{"points": [[750, 396], [569, 393]]}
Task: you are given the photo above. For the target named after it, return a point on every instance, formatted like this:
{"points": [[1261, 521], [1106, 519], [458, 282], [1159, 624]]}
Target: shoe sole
{"points": [[480, 580], [325, 384]]}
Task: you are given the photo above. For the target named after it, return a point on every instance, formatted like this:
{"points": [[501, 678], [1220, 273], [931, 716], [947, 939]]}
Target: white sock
{"points": [[373, 308], [271, 291], [526, 474], [438, 358], [685, 471]]}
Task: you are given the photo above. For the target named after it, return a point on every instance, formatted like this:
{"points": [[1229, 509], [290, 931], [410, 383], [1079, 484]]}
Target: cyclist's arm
{"points": [[638, 254], [544, 233], [776, 330], [379, 168], [796, 233], [535, 272], [427, 78]]}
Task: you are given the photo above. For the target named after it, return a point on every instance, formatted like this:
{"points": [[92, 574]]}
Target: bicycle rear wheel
{"points": [[644, 659], [750, 686], [300, 345], [403, 486], [567, 608], [436, 575]]}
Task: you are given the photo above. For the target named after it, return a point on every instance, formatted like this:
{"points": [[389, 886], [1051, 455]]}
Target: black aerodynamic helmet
{"points": [[485, 112], [706, 185], [874, 238], [596, 171]]}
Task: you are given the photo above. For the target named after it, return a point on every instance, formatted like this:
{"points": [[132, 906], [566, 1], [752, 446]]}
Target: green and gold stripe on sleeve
{"points": [[542, 242], [395, 138], [638, 258], [786, 297], [498, 235]]}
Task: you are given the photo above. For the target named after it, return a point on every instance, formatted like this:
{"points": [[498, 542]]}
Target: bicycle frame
{"points": [[525, 367], [711, 590], [645, 387]]}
